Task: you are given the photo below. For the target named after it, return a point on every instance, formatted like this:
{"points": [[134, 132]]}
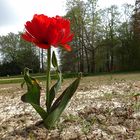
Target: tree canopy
{"points": [[106, 40], [16, 54]]}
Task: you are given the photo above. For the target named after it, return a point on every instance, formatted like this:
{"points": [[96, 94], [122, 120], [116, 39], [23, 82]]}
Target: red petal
{"points": [[41, 22], [37, 27], [52, 35], [27, 37], [43, 46], [67, 39], [67, 47]]}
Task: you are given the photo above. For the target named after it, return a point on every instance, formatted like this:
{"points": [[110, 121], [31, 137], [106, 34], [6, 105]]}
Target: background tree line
{"points": [[16, 54], [105, 40]]}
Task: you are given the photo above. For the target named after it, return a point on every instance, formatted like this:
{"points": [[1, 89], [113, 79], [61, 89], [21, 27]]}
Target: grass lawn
{"points": [[97, 77]]}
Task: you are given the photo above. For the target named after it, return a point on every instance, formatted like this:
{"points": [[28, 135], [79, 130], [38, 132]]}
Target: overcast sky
{"points": [[14, 13]]}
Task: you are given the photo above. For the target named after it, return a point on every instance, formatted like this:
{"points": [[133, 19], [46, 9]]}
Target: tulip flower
{"points": [[46, 32]]}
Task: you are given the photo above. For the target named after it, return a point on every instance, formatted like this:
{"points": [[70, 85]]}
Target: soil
{"points": [[103, 108]]}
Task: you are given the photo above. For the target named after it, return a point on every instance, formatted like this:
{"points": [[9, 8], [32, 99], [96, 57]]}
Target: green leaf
{"points": [[54, 60], [40, 111], [57, 85], [33, 94], [22, 84], [61, 103], [55, 89], [33, 89]]}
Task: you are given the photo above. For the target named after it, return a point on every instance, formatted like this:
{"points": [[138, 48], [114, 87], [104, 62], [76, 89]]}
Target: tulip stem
{"points": [[48, 78]]}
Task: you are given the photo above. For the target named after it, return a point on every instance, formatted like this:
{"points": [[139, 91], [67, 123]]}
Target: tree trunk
{"points": [[87, 60], [107, 62], [112, 62], [92, 70]]}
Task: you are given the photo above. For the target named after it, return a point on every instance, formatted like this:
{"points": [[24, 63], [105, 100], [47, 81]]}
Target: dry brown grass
{"points": [[104, 107]]}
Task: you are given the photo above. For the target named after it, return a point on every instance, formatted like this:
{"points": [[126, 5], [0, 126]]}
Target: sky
{"points": [[14, 13]]}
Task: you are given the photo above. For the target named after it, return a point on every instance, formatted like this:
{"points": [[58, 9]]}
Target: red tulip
{"points": [[45, 32]]}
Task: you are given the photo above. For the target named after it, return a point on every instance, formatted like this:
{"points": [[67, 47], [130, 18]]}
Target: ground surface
{"points": [[103, 108]]}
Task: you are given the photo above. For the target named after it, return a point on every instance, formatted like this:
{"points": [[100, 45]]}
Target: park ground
{"points": [[105, 107]]}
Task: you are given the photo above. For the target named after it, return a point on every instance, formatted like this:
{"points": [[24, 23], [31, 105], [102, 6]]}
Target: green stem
{"points": [[48, 79]]}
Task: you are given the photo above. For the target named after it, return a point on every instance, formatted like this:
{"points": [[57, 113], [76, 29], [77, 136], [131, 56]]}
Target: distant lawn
{"points": [[98, 77], [19, 78], [39, 76]]}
